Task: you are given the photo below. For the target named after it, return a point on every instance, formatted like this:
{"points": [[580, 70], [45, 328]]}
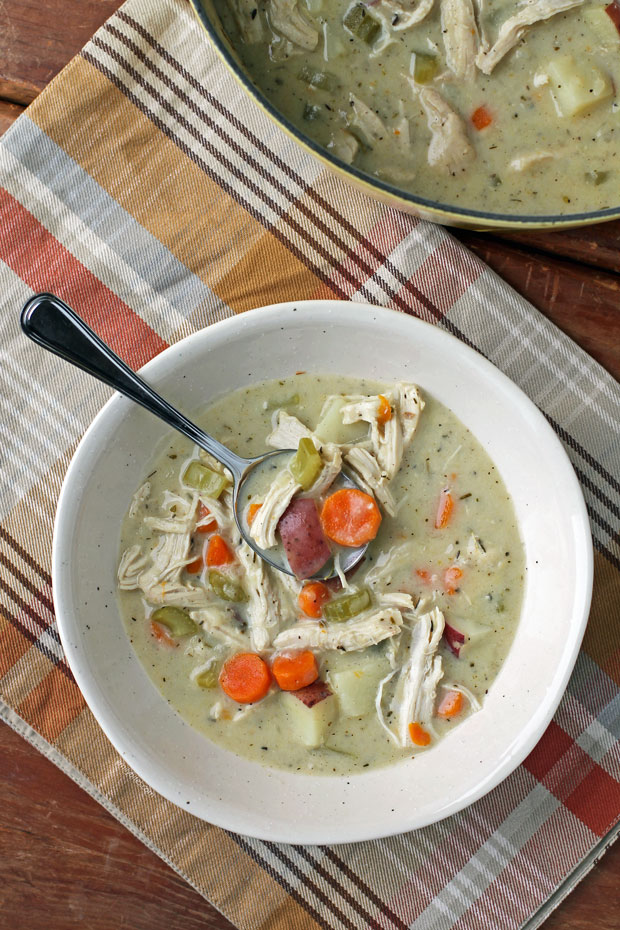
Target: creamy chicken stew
{"points": [[484, 104], [361, 670]]}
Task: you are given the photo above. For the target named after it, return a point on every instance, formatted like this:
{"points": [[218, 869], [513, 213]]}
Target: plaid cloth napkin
{"points": [[145, 189]]}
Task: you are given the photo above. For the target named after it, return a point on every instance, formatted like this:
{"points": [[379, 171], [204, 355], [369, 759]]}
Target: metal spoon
{"points": [[50, 323]]}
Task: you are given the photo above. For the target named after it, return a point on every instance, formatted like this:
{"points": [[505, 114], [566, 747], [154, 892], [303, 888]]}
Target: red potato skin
{"points": [[454, 639], [313, 694], [303, 539]]}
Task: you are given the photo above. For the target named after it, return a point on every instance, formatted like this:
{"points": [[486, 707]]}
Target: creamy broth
{"points": [[537, 134], [482, 597]]}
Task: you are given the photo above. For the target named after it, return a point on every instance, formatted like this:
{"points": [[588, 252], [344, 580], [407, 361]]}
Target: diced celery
{"points": [[207, 678], [306, 464], [204, 479], [309, 724], [361, 24], [577, 88], [347, 606], [175, 619], [226, 587], [425, 67], [322, 80]]}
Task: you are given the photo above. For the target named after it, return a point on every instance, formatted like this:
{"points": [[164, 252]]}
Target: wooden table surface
{"points": [[64, 861]]}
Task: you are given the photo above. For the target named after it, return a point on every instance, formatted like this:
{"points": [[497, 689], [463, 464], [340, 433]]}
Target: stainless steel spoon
{"points": [[50, 323]]}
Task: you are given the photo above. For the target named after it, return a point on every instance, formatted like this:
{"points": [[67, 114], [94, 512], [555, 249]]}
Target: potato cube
{"points": [[577, 88], [356, 687], [309, 723], [330, 427]]}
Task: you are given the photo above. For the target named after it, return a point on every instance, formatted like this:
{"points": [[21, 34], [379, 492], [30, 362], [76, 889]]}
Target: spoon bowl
{"points": [[53, 325]]}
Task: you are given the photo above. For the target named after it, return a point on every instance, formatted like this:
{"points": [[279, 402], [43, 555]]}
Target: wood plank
{"points": [[67, 863], [593, 245], [38, 39], [8, 114], [583, 302]]}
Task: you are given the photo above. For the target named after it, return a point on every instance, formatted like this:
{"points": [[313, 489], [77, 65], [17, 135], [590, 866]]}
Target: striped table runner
{"points": [[147, 191]]}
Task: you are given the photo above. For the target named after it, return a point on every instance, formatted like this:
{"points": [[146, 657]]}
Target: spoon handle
{"points": [[50, 323]]}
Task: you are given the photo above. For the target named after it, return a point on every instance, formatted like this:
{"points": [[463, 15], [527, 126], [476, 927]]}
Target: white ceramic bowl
{"points": [[243, 796]]}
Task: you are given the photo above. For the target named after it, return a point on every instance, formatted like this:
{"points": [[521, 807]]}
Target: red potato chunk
{"points": [[313, 694], [454, 639], [303, 539]]}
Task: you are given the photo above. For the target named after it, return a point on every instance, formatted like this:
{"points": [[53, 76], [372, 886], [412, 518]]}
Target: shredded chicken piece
{"points": [[403, 15], [139, 498], [460, 36], [449, 148], [387, 564], [513, 28], [176, 595], [132, 564], [288, 431], [391, 439], [287, 19], [366, 121], [263, 608], [421, 670], [277, 499], [220, 621], [248, 21], [370, 477], [343, 145], [523, 162], [367, 629]]}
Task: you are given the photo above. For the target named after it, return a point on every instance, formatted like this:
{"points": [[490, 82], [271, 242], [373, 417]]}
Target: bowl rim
{"points": [[442, 212], [63, 531]]}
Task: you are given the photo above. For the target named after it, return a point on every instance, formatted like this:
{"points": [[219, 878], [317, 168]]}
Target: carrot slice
{"points": [[196, 566], [451, 704], [482, 117], [293, 672], [245, 678], [161, 634], [312, 597], [451, 578], [218, 552], [419, 736], [202, 514], [350, 517], [252, 511], [385, 410], [444, 509]]}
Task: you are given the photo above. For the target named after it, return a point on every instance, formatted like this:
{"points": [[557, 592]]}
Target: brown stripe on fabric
{"points": [[25, 555], [40, 621], [37, 592], [13, 644], [294, 893], [356, 879], [602, 636], [356, 905], [27, 673], [204, 165], [35, 640], [52, 705]]}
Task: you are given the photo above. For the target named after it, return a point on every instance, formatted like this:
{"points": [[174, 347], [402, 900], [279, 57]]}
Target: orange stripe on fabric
{"points": [[147, 174], [45, 265], [13, 645], [52, 705], [269, 273]]}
